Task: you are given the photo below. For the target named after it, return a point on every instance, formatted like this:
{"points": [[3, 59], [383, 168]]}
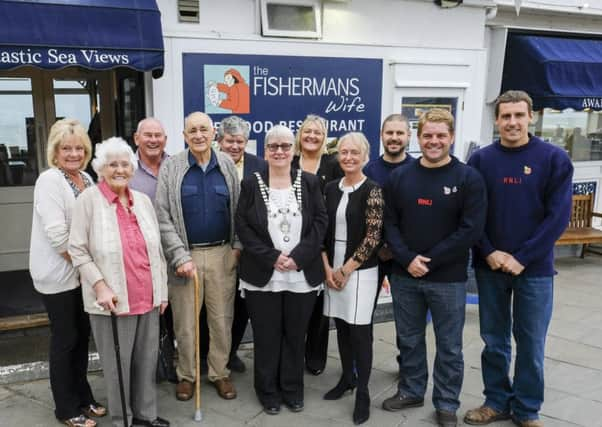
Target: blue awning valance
{"points": [[95, 34], [557, 72]]}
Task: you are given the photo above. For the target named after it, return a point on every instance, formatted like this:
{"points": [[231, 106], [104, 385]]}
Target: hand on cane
{"points": [[105, 297]]}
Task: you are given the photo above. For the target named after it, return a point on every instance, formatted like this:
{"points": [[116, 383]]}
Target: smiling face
{"points": [[70, 154], [150, 140], [351, 156], [198, 134], [312, 138], [513, 123], [435, 142], [233, 145], [395, 136], [117, 172]]}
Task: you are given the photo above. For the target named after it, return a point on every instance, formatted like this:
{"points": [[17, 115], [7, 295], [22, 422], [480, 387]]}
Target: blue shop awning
{"points": [[557, 72], [95, 34]]}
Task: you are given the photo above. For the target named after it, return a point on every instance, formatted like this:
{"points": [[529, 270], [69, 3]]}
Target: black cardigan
{"points": [[357, 214], [259, 255], [329, 169]]}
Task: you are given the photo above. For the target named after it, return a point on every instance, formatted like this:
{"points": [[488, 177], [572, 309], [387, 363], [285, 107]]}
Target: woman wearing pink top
{"points": [[115, 244]]}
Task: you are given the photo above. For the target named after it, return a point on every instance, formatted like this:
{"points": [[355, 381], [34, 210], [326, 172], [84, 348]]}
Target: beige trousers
{"points": [[216, 268]]}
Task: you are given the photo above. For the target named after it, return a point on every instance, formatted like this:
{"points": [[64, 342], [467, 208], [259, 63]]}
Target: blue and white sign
{"points": [[266, 90]]}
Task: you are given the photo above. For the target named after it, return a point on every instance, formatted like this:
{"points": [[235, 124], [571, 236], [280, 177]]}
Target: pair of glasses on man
{"points": [[273, 148]]}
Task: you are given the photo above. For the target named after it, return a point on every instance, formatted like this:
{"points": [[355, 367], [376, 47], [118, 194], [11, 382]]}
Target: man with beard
{"points": [[395, 135]]}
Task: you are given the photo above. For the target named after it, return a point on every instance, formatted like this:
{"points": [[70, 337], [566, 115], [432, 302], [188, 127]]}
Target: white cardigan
{"points": [[53, 202], [96, 250]]}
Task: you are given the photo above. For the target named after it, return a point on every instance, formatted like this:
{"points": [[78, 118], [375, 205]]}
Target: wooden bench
{"points": [[580, 230]]}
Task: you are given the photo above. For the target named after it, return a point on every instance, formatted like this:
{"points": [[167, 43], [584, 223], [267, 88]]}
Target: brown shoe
{"points": [[184, 390], [528, 423], [484, 415], [225, 388]]}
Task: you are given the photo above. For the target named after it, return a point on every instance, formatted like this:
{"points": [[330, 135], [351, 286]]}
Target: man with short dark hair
{"points": [[434, 212], [529, 184], [197, 195]]}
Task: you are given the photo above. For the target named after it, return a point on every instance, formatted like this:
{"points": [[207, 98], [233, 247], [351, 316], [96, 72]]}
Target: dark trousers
{"points": [[279, 321], [239, 326], [69, 335], [355, 344], [316, 344]]}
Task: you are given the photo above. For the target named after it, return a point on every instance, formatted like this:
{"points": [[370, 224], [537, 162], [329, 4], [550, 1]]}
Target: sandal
{"points": [[94, 409], [80, 421]]}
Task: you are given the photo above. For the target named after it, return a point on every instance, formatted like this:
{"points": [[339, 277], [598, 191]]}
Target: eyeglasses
{"points": [[273, 148]]}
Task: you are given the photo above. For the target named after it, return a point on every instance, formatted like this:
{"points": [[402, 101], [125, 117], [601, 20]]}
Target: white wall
{"points": [[422, 46]]}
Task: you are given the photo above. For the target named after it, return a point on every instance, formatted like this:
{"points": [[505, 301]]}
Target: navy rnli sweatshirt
{"points": [[435, 212], [529, 191]]}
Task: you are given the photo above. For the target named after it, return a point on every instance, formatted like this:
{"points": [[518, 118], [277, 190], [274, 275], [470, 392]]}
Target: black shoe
{"points": [[399, 402], [236, 365], [271, 408], [295, 405], [342, 387], [447, 419], [315, 371], [361, 411], [157, 422]]}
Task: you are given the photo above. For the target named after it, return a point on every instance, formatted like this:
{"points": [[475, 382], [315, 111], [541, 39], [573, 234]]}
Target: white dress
{"points": [[355, 303], [292, 281]]}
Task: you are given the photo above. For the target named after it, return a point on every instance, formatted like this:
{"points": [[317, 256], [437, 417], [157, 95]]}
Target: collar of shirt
{"points": [[144, 166], [111, 196], [212, 161], [240, 167]]}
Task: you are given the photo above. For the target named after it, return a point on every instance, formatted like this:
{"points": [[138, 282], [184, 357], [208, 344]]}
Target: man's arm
{"points": [[558, 202], [176, 253]]}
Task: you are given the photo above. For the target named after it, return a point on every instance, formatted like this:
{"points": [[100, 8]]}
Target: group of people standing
{"points": [[289, 242]]}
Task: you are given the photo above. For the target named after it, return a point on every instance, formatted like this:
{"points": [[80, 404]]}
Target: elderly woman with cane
{"points": [[54, 276], [116, 245]]}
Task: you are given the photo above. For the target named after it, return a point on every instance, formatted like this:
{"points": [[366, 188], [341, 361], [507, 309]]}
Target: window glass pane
{"points": [[291, 18], [76, 99], [577, 132], [18, 165]]}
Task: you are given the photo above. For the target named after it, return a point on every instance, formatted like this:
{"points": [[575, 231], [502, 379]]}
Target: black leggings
{"points": [[355, 344]]}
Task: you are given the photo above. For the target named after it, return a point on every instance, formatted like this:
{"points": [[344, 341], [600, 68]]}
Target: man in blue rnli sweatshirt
{"points": [[435, 211], [529, 188]]}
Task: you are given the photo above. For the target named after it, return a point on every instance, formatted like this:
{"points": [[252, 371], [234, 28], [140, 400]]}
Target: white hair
{"points": [[112, 147], [279, 131]]}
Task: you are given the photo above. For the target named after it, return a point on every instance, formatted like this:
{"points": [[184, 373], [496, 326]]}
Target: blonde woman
{"points": [[54, 276]]}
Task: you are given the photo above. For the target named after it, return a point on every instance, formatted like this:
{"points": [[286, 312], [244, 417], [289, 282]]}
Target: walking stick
{"points": [[198, 415], [118, 360]]}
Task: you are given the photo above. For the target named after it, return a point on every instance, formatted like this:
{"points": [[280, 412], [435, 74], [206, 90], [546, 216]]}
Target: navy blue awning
{"points": [[557, 72], [95, 34]]}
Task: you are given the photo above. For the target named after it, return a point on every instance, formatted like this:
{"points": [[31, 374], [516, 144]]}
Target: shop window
{"points": [[18, 164], [579, 133]]}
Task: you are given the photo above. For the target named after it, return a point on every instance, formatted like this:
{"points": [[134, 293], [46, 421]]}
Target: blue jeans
{"points": [[522, 305], [446, 301]]}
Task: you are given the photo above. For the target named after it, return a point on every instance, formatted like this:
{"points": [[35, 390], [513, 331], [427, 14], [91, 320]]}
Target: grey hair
{"points": [[360, 141], [149, 120], [279, 131], [112, 147], [233, 125]]}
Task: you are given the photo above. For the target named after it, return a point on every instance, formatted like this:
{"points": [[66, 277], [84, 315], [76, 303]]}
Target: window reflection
{"points": [[18, 164]]}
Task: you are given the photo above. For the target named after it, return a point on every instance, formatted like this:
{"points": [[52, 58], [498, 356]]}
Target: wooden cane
{"points": [[118, 363], [198, 415]]}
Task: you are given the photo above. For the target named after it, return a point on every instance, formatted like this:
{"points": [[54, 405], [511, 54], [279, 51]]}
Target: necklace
{"points": [[284, 210]]}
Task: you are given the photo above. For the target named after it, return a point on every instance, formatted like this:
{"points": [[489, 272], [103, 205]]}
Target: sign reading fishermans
{"points": [[267, 90]]}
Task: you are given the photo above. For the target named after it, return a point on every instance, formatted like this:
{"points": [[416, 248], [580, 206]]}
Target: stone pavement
{"points": [[573, 375]]}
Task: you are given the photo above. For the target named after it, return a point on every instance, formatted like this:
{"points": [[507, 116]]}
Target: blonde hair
{"points": [[436, 115], [60, 130], [360, 141], [310, 119]]}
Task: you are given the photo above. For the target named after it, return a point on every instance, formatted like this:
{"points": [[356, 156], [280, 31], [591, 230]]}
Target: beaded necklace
{"points": [[294, 195]]}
